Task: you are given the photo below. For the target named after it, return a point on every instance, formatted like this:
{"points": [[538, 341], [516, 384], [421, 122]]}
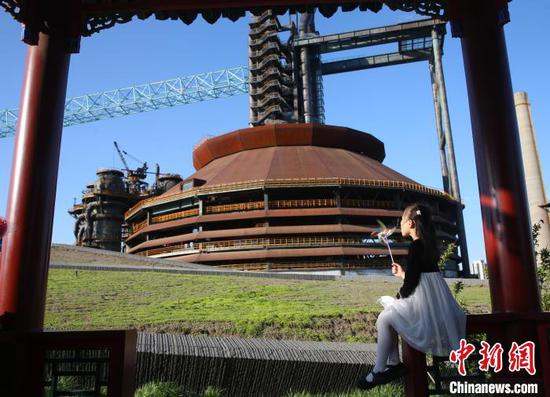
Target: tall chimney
{"points": [[536, 193]]}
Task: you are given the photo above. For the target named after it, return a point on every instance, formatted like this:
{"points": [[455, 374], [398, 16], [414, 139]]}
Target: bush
{"points": [[170, 389], [159, 389], [542, 258], [446, 254], [457, 289], [212, 391], [394, 389]]}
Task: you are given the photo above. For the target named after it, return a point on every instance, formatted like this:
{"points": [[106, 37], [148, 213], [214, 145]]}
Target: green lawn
{"points": [[222, 305]]}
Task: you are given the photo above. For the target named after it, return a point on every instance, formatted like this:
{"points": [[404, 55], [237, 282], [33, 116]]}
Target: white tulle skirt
{"points": [[429, 320]]}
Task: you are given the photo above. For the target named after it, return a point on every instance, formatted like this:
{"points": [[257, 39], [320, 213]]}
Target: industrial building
{"points": [[99, 217], [284, 196], [290, 192], [53, 34]]}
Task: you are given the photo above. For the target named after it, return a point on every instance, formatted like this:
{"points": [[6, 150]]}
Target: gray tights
{"points": [[387, 350]]}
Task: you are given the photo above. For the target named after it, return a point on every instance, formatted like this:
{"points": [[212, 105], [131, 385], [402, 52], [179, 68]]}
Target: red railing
{"points": [[26, 353], [496, 326]]}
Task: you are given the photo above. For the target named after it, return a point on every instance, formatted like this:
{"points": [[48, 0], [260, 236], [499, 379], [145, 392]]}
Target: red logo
{"points": [[522, 357], [491, 356], [461, 355], [519, 356]]}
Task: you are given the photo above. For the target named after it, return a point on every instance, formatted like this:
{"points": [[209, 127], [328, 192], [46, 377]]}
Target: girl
{"points": [[425, 312]]}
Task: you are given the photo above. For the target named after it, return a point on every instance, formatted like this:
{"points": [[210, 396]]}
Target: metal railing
{"points": [[175, 216], [307, 203], [253, 205], [288, 182], [260, 243], [137, 226]]}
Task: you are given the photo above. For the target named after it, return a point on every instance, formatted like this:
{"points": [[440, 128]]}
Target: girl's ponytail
{"points": [[421, 214]]}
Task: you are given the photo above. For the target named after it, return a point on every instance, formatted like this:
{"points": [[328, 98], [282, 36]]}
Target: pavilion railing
{"points": [[434, 378], [97, 363]]}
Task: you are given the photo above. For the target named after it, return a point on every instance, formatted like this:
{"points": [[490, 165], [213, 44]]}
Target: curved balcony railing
{"points": [[288, 182], [261, 243], [217, 209], [137, 226], [175, 215]]}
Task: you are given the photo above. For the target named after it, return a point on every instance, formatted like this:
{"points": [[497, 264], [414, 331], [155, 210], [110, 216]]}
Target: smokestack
{"points": [[536, 193]]}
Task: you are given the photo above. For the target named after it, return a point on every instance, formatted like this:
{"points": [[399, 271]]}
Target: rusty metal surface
{"points": [[291, 134], [288, 253], [288, 162], [253, 231], [267, 214]]}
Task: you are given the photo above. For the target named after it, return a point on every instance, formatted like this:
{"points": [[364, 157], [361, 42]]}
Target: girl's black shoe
{"points": [[399, 367], [391, 373]]}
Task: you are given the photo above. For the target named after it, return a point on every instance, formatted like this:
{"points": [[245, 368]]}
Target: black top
{"points": [[413, 266]]}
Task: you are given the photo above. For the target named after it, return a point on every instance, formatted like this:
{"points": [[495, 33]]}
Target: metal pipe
{"points": [[78, 227], [448, 148], [31, 198], [446, 144], [253, 118], [89, 222], [439, 128], [306, 26], [440, 79], [464, 257], [306, 90], [80, 236]]}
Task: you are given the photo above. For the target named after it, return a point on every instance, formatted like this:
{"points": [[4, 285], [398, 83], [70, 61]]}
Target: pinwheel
{"points": [[383, 232]]}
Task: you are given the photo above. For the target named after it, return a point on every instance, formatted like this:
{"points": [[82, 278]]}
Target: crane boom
{"points": [[121, 157]]}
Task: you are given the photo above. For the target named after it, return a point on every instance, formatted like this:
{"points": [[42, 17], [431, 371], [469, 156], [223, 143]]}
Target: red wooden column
{"points": [[508, 242], [30, 210], [416, 378], [501, 180]]}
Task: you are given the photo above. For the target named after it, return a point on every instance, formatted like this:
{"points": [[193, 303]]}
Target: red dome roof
{"points": [[294, 134], [288, 151], [291, 153], [289, 162]]}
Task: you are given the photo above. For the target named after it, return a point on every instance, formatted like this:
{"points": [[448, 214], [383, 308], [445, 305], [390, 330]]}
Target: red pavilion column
{"points": [[501, 180], [506, 227], [30, 210]]}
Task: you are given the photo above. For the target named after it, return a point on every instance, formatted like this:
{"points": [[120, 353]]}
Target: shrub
{"points": [[170, 389], [212, 391], [446, 254], [159, 389], [542, 258], [394, 389]]}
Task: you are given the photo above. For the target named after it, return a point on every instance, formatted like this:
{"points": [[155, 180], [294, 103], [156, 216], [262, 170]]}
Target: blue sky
{"points": [[394, 104]]}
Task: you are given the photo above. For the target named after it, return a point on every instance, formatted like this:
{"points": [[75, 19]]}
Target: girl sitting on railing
{"points": [[425, 313]]}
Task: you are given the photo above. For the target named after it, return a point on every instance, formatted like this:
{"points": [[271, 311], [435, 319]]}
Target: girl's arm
{"points": [[412, 274]]}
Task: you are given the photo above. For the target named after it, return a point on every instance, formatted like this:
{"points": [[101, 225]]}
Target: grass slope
{"points": [[223, 305]]}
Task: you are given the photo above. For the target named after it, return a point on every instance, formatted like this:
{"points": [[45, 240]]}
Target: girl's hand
{"points": [[397, 270]]}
